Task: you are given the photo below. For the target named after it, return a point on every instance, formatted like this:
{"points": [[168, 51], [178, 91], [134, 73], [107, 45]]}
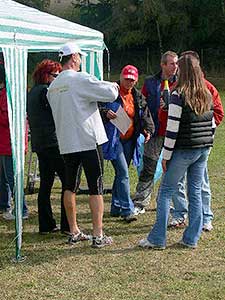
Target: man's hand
{"points": [[117, 85], [147, 136], [163, 105], [111, 115], [164, 167]]}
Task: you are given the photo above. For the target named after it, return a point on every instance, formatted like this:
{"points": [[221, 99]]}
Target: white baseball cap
{"points": [[70, 48]]}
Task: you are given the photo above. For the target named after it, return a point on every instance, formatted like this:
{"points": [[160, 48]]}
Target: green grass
{"points": [[54, 270]]}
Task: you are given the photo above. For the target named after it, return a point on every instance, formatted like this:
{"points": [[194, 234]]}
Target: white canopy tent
{"points": [[23, 30]]}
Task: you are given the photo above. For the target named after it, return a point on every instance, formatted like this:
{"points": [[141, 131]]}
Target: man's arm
{"points": [[217, 103], [95, 90], [148, 124], [172, 129]]}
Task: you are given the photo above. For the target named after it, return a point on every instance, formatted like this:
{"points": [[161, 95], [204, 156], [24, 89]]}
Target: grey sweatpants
{"points": [[145, 184]]}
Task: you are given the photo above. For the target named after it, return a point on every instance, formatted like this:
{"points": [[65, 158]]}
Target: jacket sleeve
{"points": [[103, 91], [147, 120], [44, 100], [4, 118], [217, 103], [103, 112]]}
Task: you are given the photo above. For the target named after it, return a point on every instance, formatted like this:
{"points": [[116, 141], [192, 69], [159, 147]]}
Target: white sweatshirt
{"points": [[73, 98]]}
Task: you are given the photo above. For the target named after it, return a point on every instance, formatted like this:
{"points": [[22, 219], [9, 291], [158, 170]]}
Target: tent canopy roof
{"points": [[38, 31]]}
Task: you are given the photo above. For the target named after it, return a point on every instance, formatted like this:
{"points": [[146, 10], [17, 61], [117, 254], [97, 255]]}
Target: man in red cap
{"points": [[120, 148]]}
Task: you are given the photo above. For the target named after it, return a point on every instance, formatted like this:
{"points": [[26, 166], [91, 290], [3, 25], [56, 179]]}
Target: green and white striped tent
{"points": [[23, 30]]}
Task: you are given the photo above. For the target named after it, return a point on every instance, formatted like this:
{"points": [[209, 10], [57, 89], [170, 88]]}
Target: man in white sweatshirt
{"points": [[73, 98]]}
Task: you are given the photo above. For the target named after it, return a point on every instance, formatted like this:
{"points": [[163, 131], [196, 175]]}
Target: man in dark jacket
{"points": [[153, 90]]}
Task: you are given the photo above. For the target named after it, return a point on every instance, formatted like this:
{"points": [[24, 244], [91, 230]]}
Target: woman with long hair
{"points": [[45, 144], [189, 136]]}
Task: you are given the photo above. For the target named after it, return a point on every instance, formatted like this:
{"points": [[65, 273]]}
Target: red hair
{"points": [[44, 69]]}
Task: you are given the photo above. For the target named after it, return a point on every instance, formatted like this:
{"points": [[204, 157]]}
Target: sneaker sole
{"points": [[100, 246], [153, 247], [130, 220], [176, 226], [187, 246]]}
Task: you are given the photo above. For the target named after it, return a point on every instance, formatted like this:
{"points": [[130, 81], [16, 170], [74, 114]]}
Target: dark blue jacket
{"points": [[153, 88]]}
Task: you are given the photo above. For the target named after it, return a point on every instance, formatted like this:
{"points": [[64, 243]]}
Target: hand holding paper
{"points": [[122, 121]]}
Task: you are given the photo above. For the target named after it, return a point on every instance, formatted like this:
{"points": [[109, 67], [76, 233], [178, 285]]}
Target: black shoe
{"points": [[54, 230]]}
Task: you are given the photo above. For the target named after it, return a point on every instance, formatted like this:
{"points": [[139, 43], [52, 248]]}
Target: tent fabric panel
{"points": [[93, 64], [33, 28], [16, 73], [39, 19], [35, 43], [99, 64]]}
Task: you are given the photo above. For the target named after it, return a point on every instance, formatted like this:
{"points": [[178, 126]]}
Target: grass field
{"points": [[54, 270]]}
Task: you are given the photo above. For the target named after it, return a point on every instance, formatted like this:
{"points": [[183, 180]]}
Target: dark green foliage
{"points": [[39, 4], [153, 26]]}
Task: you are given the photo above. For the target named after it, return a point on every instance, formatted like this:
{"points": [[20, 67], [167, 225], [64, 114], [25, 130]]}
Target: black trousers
{"points": [[50, 162]]}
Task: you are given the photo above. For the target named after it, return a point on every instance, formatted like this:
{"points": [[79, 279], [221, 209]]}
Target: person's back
{"points": [[73, 98], [180, 204], [190, 108], [40, 118], [80, 132]]}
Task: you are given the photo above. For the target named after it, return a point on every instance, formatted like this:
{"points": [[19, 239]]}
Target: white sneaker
{"points": [[147, 245], [8, 215], [177, 223], [138, 210], [207, 227]]}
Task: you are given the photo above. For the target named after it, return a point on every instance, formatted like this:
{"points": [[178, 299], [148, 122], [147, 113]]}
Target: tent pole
{"points": [[108, 63]]}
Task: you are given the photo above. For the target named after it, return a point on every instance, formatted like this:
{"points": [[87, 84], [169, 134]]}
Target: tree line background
{"points": [[138, 31]]}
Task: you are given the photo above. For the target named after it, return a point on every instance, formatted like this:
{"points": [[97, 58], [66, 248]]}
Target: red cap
{"points": [[130, 72]]}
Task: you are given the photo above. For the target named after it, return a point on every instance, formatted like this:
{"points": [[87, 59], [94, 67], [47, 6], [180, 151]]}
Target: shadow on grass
{"points": [[38, 251]]}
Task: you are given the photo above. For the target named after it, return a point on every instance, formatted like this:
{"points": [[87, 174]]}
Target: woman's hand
{"points": [[164, 167], [147, 136], [111, 115]]}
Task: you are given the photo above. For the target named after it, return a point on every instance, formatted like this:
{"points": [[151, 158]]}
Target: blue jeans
{"points": [[180, 203], [192, 161], [121, 200], [7, 183], [206, 199]]}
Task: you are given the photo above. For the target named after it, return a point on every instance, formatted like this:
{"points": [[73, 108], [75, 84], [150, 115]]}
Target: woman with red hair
{"points": [[45, 144]]}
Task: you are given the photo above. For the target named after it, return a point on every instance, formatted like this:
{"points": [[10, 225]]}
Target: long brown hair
{"points": [[191, 85]]}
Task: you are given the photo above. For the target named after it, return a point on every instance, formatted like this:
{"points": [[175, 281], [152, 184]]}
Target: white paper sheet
{"points": [[122, 121]]}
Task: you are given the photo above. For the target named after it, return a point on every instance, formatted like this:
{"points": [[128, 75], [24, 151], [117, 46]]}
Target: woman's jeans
{"points": [[121, 200], [7, 184], [192, 161], [180, 203]]}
